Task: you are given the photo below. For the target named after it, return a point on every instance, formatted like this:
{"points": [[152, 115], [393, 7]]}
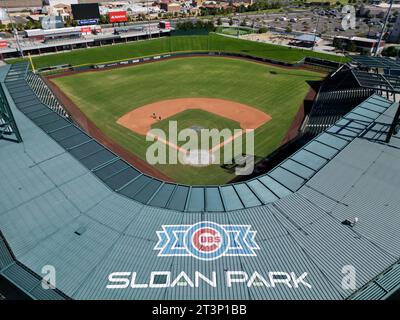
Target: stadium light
{"points": [[383, 29], [15, 32], [315, 33]]}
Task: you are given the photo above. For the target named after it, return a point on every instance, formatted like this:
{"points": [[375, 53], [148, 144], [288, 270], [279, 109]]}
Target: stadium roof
{"points": [[56, 209], [377, 81], [376, 62]]}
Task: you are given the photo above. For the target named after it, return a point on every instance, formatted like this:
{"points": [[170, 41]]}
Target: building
{"points": [[364, 45], [170, 7], [306, 40], [378, 10], [21, 3], [4, 17], [198, 3], [53, 3]]}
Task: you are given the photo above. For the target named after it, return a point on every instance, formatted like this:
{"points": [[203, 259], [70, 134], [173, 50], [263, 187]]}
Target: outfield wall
{"points": [[310, 63]]}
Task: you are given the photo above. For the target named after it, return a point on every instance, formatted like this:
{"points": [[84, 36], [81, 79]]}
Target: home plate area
{"points": [[142, 119], [199, 158]]}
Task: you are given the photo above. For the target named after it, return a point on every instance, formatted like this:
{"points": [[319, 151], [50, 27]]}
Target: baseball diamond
{"points": [[121, 102]]}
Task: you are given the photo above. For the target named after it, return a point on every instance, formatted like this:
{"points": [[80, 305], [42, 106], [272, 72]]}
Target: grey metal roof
{"points": [[376, 62], [49, 191], [377, 81]]}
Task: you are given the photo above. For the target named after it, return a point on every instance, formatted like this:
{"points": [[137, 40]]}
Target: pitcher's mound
{"points": [[198, 158]]}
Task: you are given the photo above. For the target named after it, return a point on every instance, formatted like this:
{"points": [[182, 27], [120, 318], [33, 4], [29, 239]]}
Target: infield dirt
{"points": [[141, 119]]}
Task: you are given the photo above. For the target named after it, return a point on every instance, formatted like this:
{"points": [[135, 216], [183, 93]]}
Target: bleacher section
{"points": [[338, 95], [330, 106]]}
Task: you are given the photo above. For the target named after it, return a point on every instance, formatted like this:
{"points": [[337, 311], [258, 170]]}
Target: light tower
{"points": [[383, 29]]}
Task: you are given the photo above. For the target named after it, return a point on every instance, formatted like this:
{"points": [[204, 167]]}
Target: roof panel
{"points": [[75, 140], [309, 159], [121, 178], [196, 200], [301, 170], [273, 185], [230, 198], [288, 179], [64, 133], [110, 169], [249, 199], [333, 141], [262, 192], [85, 149], [321, 149], [51, 126], [213, 199], [178, 198], [147, 192], [97, 159], [161, 198]]}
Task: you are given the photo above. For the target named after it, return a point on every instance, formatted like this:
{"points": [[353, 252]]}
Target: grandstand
{"points": [[348, 86], [68, 201]]}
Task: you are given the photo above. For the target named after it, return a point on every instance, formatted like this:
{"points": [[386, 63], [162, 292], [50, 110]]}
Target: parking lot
{"points": [[324, 24]]}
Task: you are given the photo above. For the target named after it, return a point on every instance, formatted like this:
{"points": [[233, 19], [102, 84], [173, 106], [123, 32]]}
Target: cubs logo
{"points": [[206, 240]]}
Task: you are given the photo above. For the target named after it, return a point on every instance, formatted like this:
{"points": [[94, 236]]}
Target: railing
{"points": [[45, 95]]}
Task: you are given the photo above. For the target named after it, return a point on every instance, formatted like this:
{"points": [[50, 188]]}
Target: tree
{"points": [[390, 52], [263, 30], [337, 43], [104, 19], [20, 27], [219, 21], [28, 25], [351, 47]]}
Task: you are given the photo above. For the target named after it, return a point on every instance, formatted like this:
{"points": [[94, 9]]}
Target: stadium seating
{"points": [[337, 96]]}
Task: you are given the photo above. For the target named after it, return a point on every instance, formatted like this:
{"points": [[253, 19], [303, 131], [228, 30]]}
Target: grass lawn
{"points": [[233, 31], [105, 96], [212, 42]]}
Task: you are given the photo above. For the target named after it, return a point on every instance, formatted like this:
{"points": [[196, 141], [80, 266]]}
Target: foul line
{"points": [[185, 151]]}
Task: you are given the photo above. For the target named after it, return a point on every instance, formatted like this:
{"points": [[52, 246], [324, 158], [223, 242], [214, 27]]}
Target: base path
{"points": [[141, 119]]}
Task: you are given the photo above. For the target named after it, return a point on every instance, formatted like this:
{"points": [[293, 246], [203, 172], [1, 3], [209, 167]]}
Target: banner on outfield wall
{"points": [[118, 16]]}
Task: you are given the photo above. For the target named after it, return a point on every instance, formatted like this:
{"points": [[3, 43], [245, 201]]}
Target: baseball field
{"points": [[197, 92]]}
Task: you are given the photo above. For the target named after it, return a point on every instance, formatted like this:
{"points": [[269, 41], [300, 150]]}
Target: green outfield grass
{"points": [[105, 96], [212, 42]]}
